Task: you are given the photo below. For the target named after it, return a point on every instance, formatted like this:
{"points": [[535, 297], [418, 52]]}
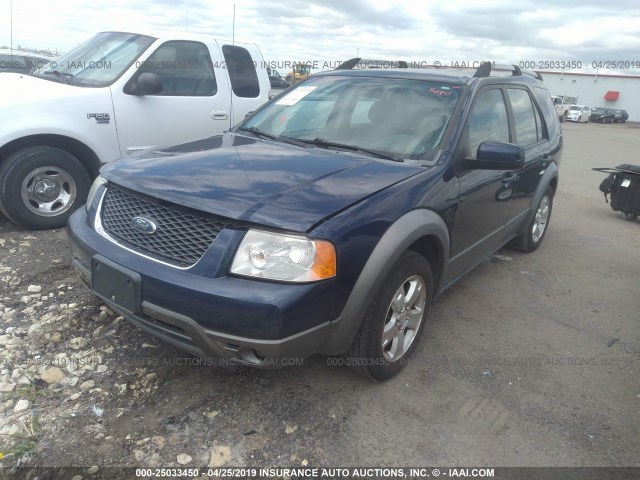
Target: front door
{"points": [[194, 102], [485, 195]]}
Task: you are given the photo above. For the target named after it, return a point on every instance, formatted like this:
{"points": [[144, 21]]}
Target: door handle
{"points": [[219, 114], [509, 177]]}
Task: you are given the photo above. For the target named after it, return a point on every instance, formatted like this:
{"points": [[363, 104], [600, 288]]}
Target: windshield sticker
{"points": [[439, 91], [295, 96]]}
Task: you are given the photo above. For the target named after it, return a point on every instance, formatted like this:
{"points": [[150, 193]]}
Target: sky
{"points": [[450, 31]]}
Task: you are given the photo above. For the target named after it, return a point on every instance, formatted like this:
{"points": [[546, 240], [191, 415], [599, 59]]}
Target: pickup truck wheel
{"points": [[393, 323], [531, 239], [564, 116], [630, 217], [41, 186]]}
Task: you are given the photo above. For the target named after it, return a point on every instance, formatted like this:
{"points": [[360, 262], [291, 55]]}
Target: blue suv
{"points": [[328, 220]]}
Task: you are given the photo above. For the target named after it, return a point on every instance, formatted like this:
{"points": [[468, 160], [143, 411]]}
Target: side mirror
{"points": [[148, 84], [496, 156]]}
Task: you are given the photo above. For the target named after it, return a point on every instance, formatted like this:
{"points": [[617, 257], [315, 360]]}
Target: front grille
{"points": [[180, 238]]}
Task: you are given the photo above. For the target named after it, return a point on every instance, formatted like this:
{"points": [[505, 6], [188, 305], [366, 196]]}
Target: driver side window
{"points": [[184, 67], [488, 119]]}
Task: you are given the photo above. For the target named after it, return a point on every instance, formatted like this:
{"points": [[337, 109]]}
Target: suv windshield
{"points": [[97, 62], [398, 117]]}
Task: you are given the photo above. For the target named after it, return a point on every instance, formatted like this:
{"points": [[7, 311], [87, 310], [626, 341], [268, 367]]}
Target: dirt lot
{"points": [[530, 360]]}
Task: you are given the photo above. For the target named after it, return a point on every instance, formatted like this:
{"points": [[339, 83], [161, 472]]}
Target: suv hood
{"points": [[262, 182]]}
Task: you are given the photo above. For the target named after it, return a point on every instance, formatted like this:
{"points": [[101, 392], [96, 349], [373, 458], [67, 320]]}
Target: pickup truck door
{"points": [[195, 101]]}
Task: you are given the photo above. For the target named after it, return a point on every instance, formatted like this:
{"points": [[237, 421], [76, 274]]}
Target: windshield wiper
{"points": [[321, 142], [259, 133], [64, 76]]}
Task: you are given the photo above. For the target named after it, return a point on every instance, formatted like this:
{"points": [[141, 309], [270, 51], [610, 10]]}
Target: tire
{"points": [[629, 217], [40, 187], [563, 117], [531, 239], [587, 120], [410, 282]]}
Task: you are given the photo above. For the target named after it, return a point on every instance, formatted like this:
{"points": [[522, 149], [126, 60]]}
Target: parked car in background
{"points": [[602, 115], [18, 61], [579, 113], [329, 219], [59, 124], [620, 116]]}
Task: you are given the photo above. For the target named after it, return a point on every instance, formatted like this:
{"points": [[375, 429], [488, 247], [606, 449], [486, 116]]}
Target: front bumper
{"points": [[221, 317]]}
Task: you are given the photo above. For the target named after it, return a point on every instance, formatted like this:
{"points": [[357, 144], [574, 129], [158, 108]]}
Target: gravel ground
{"points": [[530, 360]]}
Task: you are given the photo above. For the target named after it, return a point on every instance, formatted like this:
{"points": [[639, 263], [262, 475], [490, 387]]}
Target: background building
{"points": [[609, 91]]}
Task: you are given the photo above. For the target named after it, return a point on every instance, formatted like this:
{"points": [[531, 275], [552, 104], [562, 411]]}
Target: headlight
{"points": [[98, 182], [284, 257]]}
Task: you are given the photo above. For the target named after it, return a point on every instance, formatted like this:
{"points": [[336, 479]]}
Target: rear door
{"points": [[194, 102], [530, 133]]}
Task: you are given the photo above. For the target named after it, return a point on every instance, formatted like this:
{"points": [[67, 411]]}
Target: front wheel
{"points": [[41, 186], [630, 217], [395, 320], [531, 239]]}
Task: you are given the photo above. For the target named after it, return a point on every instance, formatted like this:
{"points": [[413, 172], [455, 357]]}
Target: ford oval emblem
{"points": [[143, 225]]}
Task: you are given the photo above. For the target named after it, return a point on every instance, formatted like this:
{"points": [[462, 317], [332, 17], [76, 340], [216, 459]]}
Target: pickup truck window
{"points": [[242, 71], [13, 63], [488, 119], [98, 62], [184, 67]]}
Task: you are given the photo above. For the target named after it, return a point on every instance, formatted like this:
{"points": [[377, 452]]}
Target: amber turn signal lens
{"points": [[324, 265]]}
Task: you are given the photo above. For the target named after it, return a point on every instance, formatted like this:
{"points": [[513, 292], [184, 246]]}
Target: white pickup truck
{"points": [[116, 94], [562, 108]]}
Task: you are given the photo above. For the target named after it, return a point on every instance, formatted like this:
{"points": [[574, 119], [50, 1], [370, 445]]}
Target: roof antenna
{"points": [[233, 29], [11, 23], [186, 19]]}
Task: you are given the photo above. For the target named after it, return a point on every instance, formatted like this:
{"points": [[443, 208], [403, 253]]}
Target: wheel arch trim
{"points": [[83, 153], [403, 233]]}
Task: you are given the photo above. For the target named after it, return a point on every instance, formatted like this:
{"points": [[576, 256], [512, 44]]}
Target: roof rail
{"points": [[351, 63], [485, 69], [348, 64]]}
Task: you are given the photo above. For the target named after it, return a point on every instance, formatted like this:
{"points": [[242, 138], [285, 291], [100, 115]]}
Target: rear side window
{"points": [[185, 69], [242, 71], [524, 117], [488, 119]]}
